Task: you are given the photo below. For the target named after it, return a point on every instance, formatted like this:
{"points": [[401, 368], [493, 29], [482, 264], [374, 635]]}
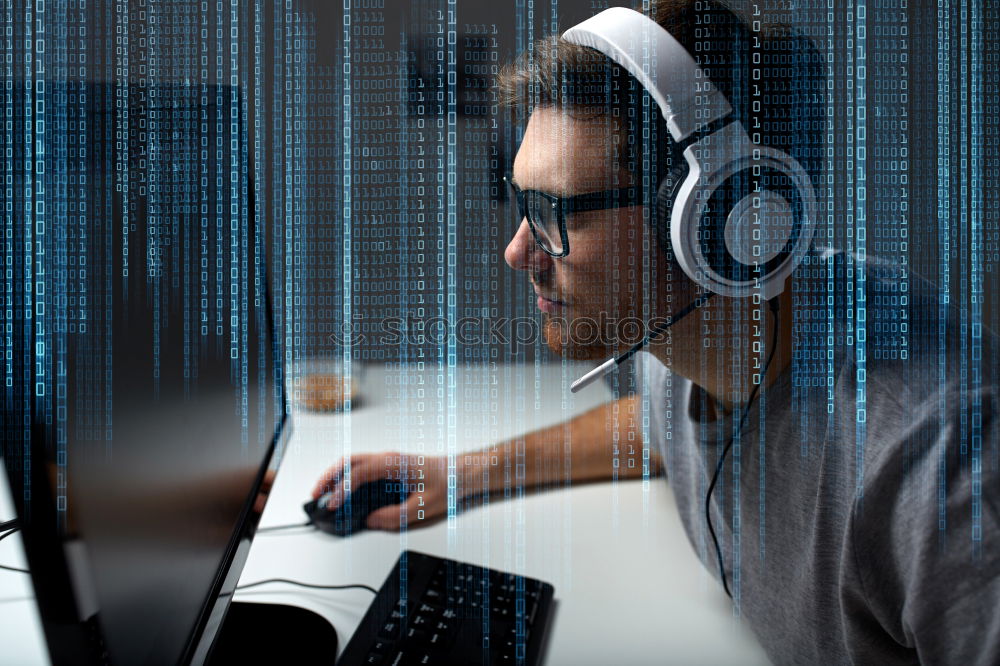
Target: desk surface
{"points": [[628, 586]]}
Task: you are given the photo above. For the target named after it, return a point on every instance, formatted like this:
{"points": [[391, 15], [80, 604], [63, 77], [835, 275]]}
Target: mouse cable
{"points": [[317, 587], [15, 524], [16, 527], [275, 528], [239, 587], [4, 536], [773, 303]]}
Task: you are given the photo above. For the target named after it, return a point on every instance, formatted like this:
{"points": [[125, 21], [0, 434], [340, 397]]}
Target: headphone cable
{"points": [[773, 303]]}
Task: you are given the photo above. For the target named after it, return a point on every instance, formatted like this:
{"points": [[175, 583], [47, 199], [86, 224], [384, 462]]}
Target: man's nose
{"points": [[523, 253]]}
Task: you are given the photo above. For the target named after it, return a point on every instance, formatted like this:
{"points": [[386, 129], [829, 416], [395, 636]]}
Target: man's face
{"points": [[602, 285]]}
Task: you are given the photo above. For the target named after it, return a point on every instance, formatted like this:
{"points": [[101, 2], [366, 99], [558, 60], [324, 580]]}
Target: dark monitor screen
{"points": [[153, 400]]}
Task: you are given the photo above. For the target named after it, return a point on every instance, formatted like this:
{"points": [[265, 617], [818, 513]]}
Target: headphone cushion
{"points": [[728, 222], [666, 194]]}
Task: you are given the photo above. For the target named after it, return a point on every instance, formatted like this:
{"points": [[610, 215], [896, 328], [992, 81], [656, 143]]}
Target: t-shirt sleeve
{"points": [[926, 540]]}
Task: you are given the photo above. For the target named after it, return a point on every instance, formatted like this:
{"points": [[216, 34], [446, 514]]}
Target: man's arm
{"points": [[589, 447]]}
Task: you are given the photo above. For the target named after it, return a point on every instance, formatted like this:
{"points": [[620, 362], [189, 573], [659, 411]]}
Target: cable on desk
{"points": [[317, 587], [284, 527], [4, 536], [10, 525], [248, 585]]}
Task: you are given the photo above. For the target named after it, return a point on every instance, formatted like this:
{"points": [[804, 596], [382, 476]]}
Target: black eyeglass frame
{"points": [[622, 197]]}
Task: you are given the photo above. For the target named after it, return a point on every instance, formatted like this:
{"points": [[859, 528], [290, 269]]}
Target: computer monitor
{"points": [[149, 412]]}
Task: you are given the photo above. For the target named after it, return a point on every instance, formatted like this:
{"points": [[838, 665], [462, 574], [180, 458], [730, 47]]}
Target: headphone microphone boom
{"points": [[743, 217], [612, 363]]}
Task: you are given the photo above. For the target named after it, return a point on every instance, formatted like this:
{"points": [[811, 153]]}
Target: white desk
{"points": [[628, 586]]}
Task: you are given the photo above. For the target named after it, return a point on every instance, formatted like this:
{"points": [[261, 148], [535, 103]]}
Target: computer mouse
{"points": [[351, 515]]}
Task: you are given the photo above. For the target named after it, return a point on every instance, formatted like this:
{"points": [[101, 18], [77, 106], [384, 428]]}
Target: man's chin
{"points": [[557, 339]]}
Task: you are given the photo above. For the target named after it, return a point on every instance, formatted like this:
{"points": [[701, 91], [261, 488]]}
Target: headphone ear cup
{"points": [[666, 195], [755, 227]]}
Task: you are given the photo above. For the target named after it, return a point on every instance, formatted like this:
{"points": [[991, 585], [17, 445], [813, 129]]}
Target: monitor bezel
{"points": [[69, 636]]}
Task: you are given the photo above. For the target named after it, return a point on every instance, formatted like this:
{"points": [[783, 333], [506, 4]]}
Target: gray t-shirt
{"points": [[856, 527]]}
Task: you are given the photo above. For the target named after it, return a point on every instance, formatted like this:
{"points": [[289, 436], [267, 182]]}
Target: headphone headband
{"points": [[686, 96]]}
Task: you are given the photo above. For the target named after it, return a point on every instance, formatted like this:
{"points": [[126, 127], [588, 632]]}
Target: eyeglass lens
{"points": [[543, 218]]}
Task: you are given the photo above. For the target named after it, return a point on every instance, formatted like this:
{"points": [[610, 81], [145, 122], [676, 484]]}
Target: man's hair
{"points": [[773, 78]]}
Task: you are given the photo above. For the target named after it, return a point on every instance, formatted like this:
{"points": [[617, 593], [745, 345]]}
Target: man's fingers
{"points": [[386, 518], [362, 471], [390, 517], [365, 467], [329, 478]]}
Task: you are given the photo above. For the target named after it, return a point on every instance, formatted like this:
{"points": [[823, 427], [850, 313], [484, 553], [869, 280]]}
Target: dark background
{"points": [[419, 232]]}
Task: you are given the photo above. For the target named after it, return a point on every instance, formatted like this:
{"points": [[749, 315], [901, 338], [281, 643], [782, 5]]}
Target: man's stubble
{"points": [[558, 340]]}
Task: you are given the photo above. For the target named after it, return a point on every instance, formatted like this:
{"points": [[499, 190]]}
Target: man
{"points": [[857, 512]]}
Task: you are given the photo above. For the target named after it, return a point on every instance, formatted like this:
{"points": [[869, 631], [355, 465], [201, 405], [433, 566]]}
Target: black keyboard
{"points": [[432, 610]]}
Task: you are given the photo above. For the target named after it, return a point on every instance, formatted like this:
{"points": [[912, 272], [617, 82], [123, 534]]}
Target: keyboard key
{"points": [[502, 614], [390, 632], [502, 601], [381, 647], [427, 610], [378, 653], [394, 658], [513, 635], [433, 596]]}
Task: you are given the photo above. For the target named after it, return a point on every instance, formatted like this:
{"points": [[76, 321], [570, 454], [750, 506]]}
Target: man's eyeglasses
{"points": [[546, 213]]}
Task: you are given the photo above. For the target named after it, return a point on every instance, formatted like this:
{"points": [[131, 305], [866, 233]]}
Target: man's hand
{"points": [[425, 476]]}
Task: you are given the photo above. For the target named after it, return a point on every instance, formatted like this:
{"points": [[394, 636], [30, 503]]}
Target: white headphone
{"points": [[741, 207]]}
